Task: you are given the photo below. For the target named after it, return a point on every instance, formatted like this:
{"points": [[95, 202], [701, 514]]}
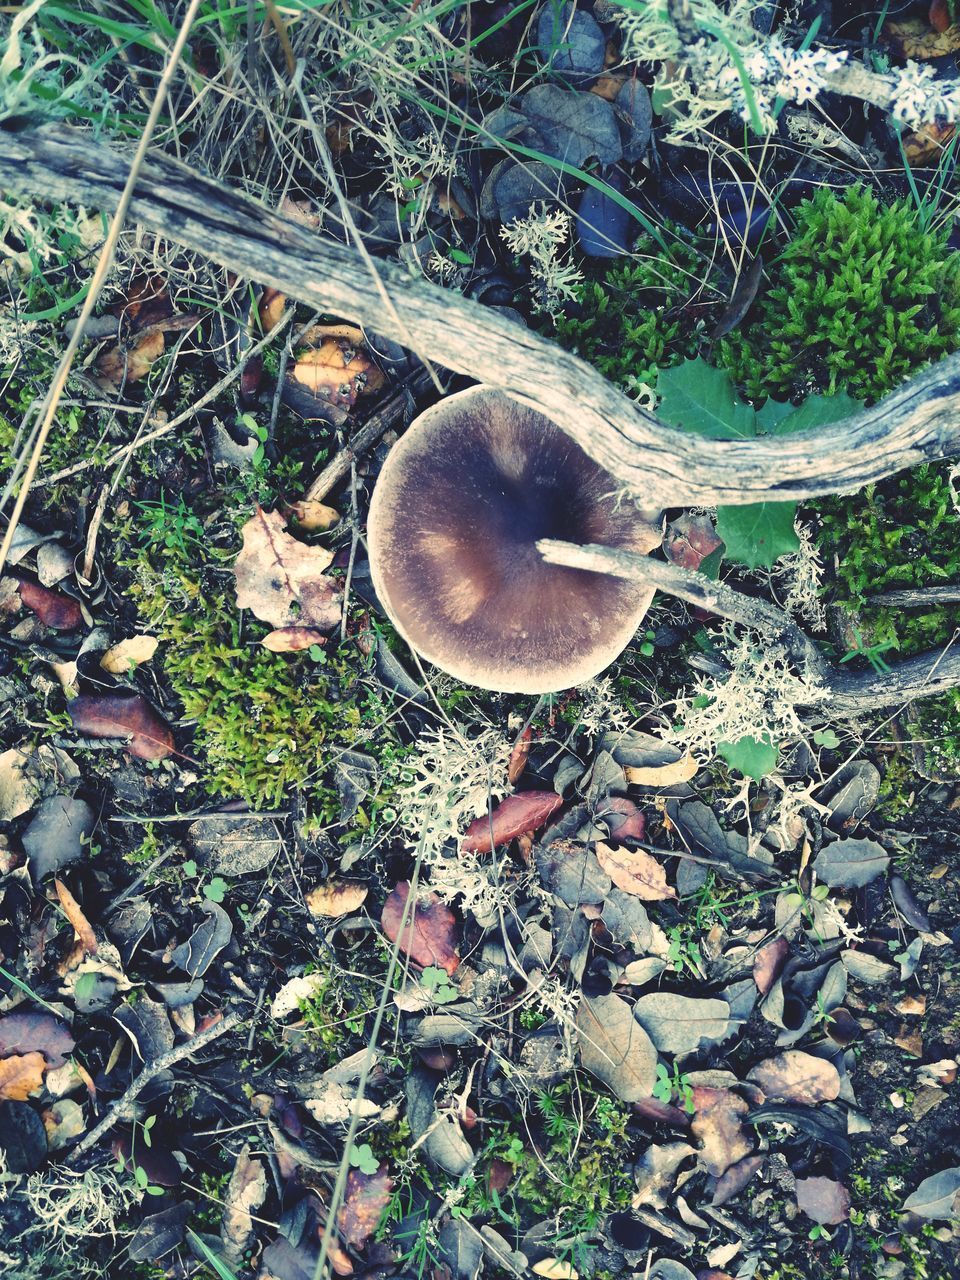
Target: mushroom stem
{"points": [[847, 694]]}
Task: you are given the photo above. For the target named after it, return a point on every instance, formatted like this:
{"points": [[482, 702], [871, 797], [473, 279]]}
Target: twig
{"points": [[386, 416], [122, 1109], [918, 598], [694, 588]]}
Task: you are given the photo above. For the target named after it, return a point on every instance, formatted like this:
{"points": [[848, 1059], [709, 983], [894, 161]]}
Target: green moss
{"points": [[629, 320], [860, 299]]}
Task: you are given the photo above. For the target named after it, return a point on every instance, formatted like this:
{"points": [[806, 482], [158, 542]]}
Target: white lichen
{"points": [[543, 238]]}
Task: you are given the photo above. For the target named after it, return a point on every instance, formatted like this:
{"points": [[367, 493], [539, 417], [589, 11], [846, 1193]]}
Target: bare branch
{"points": [[918, 423]]}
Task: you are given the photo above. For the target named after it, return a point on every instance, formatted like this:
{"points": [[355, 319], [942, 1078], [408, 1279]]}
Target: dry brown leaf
{"points": [[338, 370], [111, 715], [312, 516], [282, 580], [118, 366], [555, 1269], [615, 1048], [519, 756], [270, 309], [768, 963], [81, 925], [916, 39], [366, 1197], [662, 775], [336, 898], [55, 610], [27, 1030], [514, 816], [429, 932], [823, 1200], [795, 1076], [20, 1076], [635, 871], [717, 1122], [129, 653], [292, 639], [927, 144], [246, 1192]]}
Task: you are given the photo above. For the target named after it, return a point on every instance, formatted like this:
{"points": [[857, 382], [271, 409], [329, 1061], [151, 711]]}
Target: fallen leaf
{"points": [[23, 1139], [282, 580], [795, 1076], [823, 1200], [927, 144], [937, 1196], [57, 834], [915, 38], [20, 1076], [733, 1180], [717, 1123], [312, 516], [555, 1269], [655, 1173], [366, 1197], [635, 871], [336, 898], [679, 1024], [615, 1048], [295, 990], [333, 374], [81, 925], [292, 639], [850, 864], [159, 1233], [147, 1024], [689, 539], [18, 794], [623, 819], [744, 293], [196, 955], [514, 816], [26, 1031], [246, 1192], [63, 1121], [429, 932], [519, 756], [55, 610], [768, 964], [114, 715], [239, 844], [663, 775], [128, 653], [124, 364]]}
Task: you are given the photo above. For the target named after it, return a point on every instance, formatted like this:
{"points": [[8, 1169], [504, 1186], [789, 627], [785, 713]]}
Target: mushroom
{"points": [[457, 511]]}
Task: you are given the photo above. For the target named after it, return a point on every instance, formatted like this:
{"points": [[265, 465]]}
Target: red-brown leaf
{"points": [[525, 811], [56, 611], [717, 1123], [823, 1200], [689, 540], [26, 1031], [113, 715], [367, 1195], [624, 819], [795, 1076], [518, 756], [21, 1075], [768, 964], [429, 933]]}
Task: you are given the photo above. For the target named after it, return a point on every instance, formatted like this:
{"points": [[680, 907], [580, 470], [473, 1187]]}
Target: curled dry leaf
{"points": [[336, 898], [21, 1075], [662, 775], [246, 1192], [113, 715], [282, 580], [717, 1122], [519, 756], [53, 608], [635, 871], [429, 931], [526, 811], [768, 964], [292, 639], [366, 1197], [129, 653], [795, 1076], [81, 925]]}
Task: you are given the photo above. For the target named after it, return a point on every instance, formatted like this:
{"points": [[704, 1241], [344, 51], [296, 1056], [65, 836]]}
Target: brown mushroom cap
{"points": [[456, 514]]}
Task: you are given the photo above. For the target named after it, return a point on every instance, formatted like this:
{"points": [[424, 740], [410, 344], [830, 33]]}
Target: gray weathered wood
{"points": [[918, 423]]}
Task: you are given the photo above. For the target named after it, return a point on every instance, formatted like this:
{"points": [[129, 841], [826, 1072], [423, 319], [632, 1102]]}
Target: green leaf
{"points": [[753, 757], [772, 414], [362, 1158], [458, 255], [220, 1267], [824, 738], [816, 411], [437, 982], [190, 868], [696, 397], [758, 534], [216, 890]]}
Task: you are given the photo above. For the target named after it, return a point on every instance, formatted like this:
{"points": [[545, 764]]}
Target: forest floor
{"points": [[313, 957]]}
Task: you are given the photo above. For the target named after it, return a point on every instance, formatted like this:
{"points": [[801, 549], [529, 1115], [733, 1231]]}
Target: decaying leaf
{"points": [[81, 925], [281, 580], [429, 931], [525, 811], [615, 1048], [655, 1173], [823, 1200], [312, 516], [27, 1030], [129, 653], [849, 864], [336, 898], [555, 1269], [196, 955], [129, 716], [635, 871], [689, 539], [937, 1196], [294, 990], [330, 373], [917, 39], [717, 1123], [17, 793], [246, 1192], [795, 1076], [292, 639], [366, 1197], [768, 964], [21, 1075]]}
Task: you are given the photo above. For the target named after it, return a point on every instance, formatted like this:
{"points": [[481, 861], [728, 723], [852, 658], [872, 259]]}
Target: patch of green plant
{"points": [[860, 298], [631, 320]]}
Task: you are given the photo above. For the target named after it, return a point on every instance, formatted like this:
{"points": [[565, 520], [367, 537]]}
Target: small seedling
{"points": [[668, 1086], [436, 981], [362, 1158]]}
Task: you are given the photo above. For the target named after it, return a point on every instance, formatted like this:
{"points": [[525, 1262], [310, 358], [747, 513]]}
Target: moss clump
{"points": [[860, 299], [630, 320], [264, 723]]}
